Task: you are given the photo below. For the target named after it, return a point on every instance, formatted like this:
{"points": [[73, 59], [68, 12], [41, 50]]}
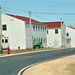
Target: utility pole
{"points": [[30, 29], [61, 32], [1, 51]]}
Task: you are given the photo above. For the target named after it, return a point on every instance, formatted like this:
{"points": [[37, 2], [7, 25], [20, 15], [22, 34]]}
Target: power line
{"points": [[47, 13], [69, 19], [54, 13], [40, 17], [12, 11], [6, 8], [17, 10], [36, 13]]}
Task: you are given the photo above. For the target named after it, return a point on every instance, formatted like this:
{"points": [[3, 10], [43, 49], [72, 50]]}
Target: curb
{"points": [[23, 53], [22, 70]]}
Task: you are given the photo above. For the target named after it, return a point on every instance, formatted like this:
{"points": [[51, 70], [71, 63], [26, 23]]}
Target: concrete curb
{"points": [[21, 71], [24, 53]]}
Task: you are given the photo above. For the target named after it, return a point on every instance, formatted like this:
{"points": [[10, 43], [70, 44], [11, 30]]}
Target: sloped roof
{"points": [[53, 24], [26, 19], [71, 27]]}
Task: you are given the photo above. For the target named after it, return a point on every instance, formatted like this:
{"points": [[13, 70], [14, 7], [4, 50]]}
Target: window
{"points": [[38, 28], [4, 27], [6, 40], [34, 27], [41, 28], [67, 34], [47, 31], [2, 40], [56, 31], [43, 40], [34, 41]]}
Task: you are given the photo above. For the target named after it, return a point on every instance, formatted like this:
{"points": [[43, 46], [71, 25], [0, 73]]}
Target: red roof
{"points": [[53, 24], [24, 19]]}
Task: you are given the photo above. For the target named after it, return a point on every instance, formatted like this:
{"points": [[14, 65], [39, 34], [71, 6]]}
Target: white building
{"points": [[56, 34], [70, 36], [16, 32]]}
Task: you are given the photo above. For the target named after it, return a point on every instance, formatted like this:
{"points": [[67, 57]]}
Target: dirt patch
{"points": [[63, 66]]}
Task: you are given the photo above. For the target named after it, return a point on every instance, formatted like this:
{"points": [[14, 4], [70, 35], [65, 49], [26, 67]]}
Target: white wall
{"points": [[71, 32], [41, 34], [27, 26], [35, 34], [52, 37], [15, 32]]}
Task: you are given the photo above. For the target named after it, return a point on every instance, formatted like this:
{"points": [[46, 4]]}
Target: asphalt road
{"points": [[13, 64]]}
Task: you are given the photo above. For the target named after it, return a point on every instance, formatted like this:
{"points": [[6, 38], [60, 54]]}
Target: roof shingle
{"points": [[26, 19], [53, 24]]}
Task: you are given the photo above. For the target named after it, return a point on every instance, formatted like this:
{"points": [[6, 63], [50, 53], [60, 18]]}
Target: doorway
{"points": [[5, 43]]}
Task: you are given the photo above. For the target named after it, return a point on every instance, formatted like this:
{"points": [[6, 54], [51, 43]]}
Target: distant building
{"points": [[70, 36], [56, 34], [16, 32]]}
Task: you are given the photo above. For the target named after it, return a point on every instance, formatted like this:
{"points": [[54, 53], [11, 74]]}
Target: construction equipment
{"points": [[37, 44]]}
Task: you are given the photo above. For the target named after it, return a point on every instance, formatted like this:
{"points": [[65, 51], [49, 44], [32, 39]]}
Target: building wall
{"points": [[15, 32], [71, 32], [53, 40], [40, 33], [27, 26], [36, 33]]}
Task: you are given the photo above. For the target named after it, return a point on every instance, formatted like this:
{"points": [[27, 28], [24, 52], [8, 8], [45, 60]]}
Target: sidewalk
{"points": [[16, 52], [62, 66], [12, 52]]}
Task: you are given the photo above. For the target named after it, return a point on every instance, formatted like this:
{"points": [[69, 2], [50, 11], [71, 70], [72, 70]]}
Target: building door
{"points": [[56, 44], [5, 43], [68, 42]]}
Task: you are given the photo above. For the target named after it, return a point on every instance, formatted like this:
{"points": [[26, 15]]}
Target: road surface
{"points": [[13, 64]]}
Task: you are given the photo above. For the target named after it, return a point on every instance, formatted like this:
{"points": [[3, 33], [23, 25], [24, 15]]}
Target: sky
{"points": [[42, 10]]}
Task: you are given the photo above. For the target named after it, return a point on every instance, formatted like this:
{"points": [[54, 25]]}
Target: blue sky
{"points": [[22, 7]]}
